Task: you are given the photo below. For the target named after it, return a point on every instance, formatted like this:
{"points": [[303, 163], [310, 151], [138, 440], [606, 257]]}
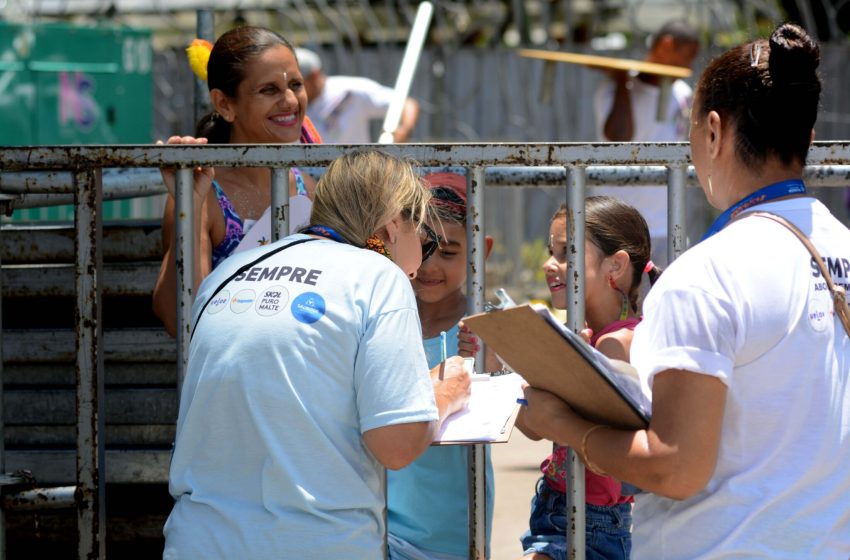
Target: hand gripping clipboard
{"points": [[551, 357]]}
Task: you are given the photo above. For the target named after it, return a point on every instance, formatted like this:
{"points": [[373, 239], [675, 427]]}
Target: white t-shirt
{"points": [[289, 365], [748, 307], [347, 104], [650, 201]]}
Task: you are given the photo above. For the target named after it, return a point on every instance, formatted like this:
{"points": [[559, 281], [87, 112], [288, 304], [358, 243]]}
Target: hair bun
{"points": [[794, 56]]}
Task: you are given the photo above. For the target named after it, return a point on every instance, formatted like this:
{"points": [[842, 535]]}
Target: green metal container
{"points": [[71, 84]]}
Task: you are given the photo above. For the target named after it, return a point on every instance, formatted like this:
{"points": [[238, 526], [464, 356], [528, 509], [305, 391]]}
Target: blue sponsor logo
{"points": [[308, 308], [218, 303]]}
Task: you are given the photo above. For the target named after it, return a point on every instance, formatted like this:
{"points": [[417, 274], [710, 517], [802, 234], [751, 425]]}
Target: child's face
{"points": [[445, 272], [555, 266]]}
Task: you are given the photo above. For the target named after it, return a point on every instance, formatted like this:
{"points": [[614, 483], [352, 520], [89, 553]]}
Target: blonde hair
{"points": [[362, 191]]}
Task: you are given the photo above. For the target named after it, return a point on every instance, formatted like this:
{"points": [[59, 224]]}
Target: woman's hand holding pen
{"points": [[452, 386]]}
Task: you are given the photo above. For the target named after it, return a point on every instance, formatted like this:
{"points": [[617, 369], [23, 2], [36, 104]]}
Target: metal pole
{"points": [[575, 320], [2, 422], [185, 255], [280, 202], [206, 30], [475, 304], [91, 473], [676, 176]]}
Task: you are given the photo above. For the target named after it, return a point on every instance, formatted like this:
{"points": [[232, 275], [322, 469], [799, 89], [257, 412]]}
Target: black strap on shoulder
{"points": [[239, 271]]}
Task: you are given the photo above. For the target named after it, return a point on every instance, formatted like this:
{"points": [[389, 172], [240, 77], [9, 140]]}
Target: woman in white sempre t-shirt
{"points": [[748, 450]]}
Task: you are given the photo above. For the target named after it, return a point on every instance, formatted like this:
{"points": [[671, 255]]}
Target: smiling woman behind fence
{"points": [[748, 449], [258, 96]]}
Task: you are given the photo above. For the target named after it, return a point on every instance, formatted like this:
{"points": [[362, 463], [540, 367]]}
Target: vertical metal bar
{"points": [[576, 179], [475, 304], [185, 255], [206, 30], [676, 177], [280, 202], [91, 476], [2, 422]]}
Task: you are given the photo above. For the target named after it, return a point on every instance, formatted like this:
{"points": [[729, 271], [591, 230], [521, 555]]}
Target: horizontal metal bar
{"points": [[123, 406], [117, 435], [7, 479], [125, 183], [119, 279], [118, 183], [133, 466], [634, 176], [466, 155], [41, 498], [126, 242], [136, 374], [125, 345]]}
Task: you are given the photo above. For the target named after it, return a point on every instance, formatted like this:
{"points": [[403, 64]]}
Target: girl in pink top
{"points": [[617, 249]]}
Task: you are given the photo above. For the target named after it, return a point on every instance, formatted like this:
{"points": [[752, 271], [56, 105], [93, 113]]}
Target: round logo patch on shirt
{"points": [[242, 301], [272, 300], [218, 303], [820, 312], [308, 308]]}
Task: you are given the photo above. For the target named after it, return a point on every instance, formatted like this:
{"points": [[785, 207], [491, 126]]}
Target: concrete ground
{"points": [[516, 466]]}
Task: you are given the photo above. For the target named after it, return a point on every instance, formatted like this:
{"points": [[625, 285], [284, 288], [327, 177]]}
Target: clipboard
{"points": [[549, 356], [490, 415]]}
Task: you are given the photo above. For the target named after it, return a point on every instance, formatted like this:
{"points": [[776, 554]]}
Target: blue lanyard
{"points": [[764, 194], [325, 231]]}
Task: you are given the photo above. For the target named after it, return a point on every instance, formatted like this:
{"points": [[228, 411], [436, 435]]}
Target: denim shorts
{"points": [[608, 528]]}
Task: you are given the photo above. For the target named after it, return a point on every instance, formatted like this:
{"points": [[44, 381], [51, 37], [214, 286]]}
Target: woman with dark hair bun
{"points": [[258, 97], [743, 343]]}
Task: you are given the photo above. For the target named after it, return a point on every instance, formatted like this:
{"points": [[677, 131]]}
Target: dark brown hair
{"points": [[682, 33], [770, 89], [231, 55], [612, 225]]}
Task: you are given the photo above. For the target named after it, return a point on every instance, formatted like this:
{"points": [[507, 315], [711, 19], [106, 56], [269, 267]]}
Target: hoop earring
{"points": [[710, 186]]}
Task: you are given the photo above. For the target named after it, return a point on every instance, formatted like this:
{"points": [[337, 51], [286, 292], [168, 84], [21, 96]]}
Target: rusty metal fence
{"points": [[43, 172]]}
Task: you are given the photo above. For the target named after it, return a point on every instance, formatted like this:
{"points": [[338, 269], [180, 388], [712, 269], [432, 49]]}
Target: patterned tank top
{"points": [[234, 226]]}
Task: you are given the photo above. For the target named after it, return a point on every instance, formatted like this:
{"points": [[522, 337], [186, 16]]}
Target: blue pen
{"points": [[523, 402], [443, 346]]}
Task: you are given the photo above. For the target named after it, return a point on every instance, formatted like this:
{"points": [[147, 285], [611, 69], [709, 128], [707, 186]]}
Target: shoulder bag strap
{"points": [[239, 271], [839, 296]]}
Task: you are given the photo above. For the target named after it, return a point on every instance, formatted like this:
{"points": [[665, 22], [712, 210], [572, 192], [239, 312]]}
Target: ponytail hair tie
{"points": [[649, 266], [198, 53]]}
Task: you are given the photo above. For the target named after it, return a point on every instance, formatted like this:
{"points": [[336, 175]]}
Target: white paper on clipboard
{"points": [[261, 232], [488, 418]]}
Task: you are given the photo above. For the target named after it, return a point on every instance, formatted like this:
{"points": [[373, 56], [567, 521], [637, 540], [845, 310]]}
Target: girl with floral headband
{"points": [[258, 95]]}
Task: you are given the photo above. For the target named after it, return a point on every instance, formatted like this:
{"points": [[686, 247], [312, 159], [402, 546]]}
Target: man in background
{"points": [[341, 107], [626, 108]]}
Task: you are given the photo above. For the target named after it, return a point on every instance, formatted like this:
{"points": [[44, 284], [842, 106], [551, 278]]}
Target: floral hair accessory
{"points": [[375, 244], [198, 53]]}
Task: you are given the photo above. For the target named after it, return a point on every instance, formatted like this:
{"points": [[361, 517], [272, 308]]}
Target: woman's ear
{"points": [[715, 130], [222, 104], [389, 232]]}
